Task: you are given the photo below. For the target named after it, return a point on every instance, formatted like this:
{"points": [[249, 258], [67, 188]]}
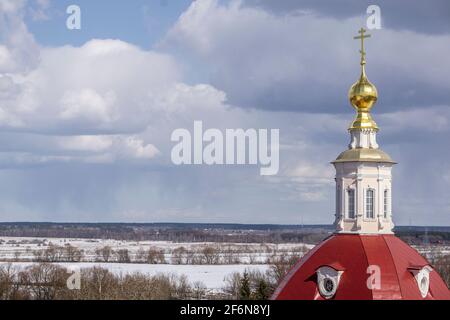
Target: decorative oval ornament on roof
{"points": [[328, 279], [422, 276]]}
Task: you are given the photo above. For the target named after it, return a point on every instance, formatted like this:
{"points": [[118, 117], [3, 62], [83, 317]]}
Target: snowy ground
{"points": [[249, 253], [20, 253]]}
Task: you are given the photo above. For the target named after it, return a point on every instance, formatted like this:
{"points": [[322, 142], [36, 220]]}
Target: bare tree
{"points": [[44, 280], [140, 256], [104, 254], [53, 253], [281, 264], [232, 285], [72, 254], [210, 255], [230, 256], [199, 290], [38, 256], [9, 288], [99, 284], [178, 255], [182, 287], [123, 256], [155, 256], [441, 264], [17, 254]]}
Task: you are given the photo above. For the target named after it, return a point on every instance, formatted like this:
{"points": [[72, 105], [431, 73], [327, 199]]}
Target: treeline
{"points": [[205, 233], [424, 237], [53, 253], [46, 281], [49, 282], [205, 255], [188, 233], [210, 255], [441, 263]]}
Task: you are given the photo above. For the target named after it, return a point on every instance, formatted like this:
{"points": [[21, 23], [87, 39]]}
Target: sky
{"points": [[86, 116]]}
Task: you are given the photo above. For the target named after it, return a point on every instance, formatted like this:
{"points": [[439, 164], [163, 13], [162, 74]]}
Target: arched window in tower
{"points": [[370, 195], [386, 203], [351, 203]]}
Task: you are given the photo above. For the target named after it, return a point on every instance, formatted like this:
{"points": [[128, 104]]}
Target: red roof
{"points": [[353, 254]]}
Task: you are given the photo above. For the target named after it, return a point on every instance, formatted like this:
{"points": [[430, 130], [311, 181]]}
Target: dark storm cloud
{"points": [[306, 63], [420, 16]]}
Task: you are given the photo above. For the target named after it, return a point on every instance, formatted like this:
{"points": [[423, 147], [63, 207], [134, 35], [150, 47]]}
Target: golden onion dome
{"points": [[363, 94]]}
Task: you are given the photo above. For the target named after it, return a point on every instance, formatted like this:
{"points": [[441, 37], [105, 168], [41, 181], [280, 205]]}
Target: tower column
{"points": [[380, 197], [343, 204], [359, 203]]}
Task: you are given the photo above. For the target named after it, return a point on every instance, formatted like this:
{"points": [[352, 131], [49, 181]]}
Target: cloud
{"points": [[138, 149], [96, 103], [86, 143], [305, 62], [18, 50], [104, 102], [306, 181], [88, 104], [415, 15], [431, 120], [11, 6], [105, 87], [40, 11]]}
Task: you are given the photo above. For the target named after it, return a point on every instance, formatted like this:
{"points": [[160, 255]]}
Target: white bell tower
{"points": [[363, 172]]}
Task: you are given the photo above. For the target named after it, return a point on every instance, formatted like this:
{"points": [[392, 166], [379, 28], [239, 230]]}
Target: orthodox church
{"points": [[363, 259]]}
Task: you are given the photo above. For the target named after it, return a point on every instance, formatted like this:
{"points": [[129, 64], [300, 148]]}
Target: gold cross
{"points": [[362, 36]]}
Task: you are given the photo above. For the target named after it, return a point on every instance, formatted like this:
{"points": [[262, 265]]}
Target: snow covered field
{"points": [[21, 253], [23, 249]]}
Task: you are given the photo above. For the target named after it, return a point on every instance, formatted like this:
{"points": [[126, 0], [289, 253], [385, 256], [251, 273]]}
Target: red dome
{"points": [[351, 255]]}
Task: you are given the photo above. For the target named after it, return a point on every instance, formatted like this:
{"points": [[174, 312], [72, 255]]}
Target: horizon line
{"points": [[203, 223]]}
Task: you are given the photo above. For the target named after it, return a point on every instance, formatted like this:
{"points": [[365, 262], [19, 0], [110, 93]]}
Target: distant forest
{"points": [[178, 232]]}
